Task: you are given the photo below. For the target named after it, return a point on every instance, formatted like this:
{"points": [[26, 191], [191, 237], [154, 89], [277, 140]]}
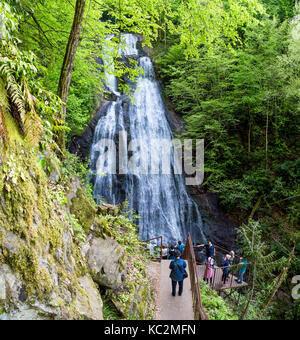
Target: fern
{"points": [[20, 96], [7, 68]]}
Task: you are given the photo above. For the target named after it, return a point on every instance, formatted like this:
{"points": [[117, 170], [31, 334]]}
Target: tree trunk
{"points": [[267, 141], [255, 208], [67, 67]]}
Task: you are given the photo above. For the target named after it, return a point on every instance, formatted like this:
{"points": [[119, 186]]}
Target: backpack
{"points": [[185, 274]]}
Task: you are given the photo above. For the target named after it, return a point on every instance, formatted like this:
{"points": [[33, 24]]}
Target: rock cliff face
{"points": [[46, 270], [43, 274]]}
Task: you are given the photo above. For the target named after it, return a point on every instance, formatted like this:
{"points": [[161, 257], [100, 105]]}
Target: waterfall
{"points": [[161, 200]]}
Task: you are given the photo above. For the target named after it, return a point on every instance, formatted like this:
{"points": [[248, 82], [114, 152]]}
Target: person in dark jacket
{"points": [[210, 250], [172, 253], [225, 266], [177, 273]]}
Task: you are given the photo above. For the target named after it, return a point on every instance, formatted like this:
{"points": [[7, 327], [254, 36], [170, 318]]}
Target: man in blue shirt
{"points": [[209, 249], [177, 273], [180, 247]]}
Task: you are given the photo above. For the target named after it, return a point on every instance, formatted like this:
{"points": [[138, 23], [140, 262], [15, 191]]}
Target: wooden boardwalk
{"points": [[217, 279], [174, 308]]}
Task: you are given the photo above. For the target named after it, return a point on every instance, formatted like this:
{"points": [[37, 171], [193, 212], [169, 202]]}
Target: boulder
{"points": [[89, 304], [135, 305], [106, 262]]}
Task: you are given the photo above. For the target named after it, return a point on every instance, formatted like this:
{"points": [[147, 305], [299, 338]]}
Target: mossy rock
{"points": [[84, 210], [108, 209]]}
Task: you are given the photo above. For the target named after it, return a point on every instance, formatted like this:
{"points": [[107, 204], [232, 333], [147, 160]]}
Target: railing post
{"points": [[161, 243], [189, 255]]}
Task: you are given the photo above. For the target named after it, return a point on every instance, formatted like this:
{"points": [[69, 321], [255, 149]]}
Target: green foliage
{"points": [[280, 8], [264, 265], [45, 27], [110, 312], [73, 166], [214, 22], [121, 229], [18, 71], [214, 305], [245, 104], [77, 230], [8, 21], [238, 300]]}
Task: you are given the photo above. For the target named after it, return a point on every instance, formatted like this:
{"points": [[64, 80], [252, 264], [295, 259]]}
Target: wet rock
{"points": [[74, 186], [23, 294], [24, 312], [54, 176], [218, 227]]}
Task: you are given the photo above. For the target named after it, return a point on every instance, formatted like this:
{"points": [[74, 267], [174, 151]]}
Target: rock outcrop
{"points": [[106, 262], [43, 274]]}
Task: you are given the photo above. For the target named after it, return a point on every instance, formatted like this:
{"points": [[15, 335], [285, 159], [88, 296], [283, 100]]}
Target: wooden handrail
{"points": [[161, 243], [189, 255]]}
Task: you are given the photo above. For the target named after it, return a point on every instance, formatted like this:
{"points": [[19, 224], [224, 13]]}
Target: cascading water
{"points": [[161, 200]]}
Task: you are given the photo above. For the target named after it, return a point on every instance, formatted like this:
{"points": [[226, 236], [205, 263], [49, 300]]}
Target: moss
{"points": [[26, 262], [84, 210], [12, 129], [30, 212]]}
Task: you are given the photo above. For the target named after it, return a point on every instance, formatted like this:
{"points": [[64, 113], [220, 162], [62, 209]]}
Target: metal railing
{"points": [[161, 244], [189, 256], [216, 278], [231, 280]]}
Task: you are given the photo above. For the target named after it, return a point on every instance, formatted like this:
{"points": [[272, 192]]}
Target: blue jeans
{"points": [[174, 285], [241, 277]]}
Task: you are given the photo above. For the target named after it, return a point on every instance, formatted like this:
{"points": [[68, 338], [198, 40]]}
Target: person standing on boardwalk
{"points": [[225, 266], [177, 267], [209, 270], [180, 247], [242, 270], [209, 248], [164, 252], [172, 253]]}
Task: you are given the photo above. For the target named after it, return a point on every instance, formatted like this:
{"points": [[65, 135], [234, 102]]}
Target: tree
{"points": [[214, 22], [261, 262], [67, 67]]}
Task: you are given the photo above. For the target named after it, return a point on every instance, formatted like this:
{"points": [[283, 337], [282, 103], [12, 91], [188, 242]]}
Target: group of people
{"points": [[178, 265], [170, 253], [227, 265]]}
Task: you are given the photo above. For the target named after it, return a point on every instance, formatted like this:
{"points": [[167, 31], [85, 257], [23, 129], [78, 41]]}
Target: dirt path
{"points": [[153, 270]]}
